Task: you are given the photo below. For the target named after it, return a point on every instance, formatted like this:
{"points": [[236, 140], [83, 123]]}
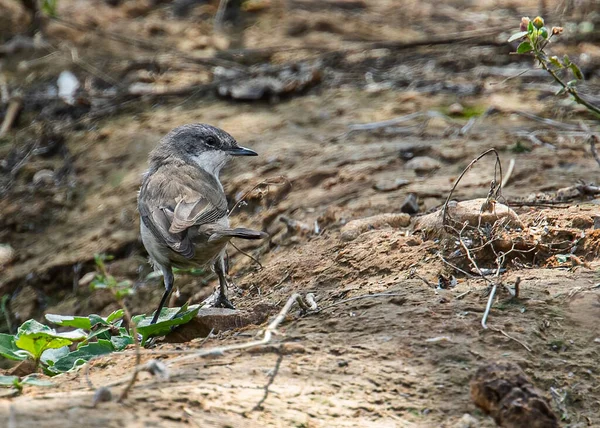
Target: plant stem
{"points": [[568, 88]]}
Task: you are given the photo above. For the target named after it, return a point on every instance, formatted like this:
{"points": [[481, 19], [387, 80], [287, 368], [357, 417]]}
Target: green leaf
{"points": [[120, 294], [571, 83], [554, 60], [35, 338], [69, 321], [524, 48], [121, 342], [83, 354], [8, 380], [49, 356], [118, 314], [8, 348], [517, 36], [36, 381], [530, 27], [169, 317], [101, 333], [576, 71], [566, 61]]}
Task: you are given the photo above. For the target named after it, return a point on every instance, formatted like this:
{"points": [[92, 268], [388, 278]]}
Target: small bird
{"points": [[183, 208]]}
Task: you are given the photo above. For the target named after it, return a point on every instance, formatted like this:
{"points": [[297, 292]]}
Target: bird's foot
{"points": [[223, 302]]}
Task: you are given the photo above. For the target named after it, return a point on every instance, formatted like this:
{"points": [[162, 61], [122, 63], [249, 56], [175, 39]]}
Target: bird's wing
{"points": [[169, 206]]}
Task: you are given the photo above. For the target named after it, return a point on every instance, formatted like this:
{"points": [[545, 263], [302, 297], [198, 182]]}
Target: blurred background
{"points": [[89, 87]]}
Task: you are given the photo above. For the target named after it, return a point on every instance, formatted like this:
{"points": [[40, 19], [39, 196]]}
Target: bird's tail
{"points": [[238, 232]]}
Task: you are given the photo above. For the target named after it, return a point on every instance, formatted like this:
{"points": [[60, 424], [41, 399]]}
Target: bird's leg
{"points": [[169, 280], [222, 301]]}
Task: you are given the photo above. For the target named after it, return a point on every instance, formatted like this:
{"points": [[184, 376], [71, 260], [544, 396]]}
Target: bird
{"points": [[183, 207]]}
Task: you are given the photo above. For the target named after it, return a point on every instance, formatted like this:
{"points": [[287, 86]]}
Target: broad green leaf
{"points": [[8, 348], [524, 48], [69, 321], [101, 333], [118, 314], [49, 356], [530, 27], [576, 71], [121, 342], [36, 381], [8, 380], [35, 338], [83, 354], [517, 36], [169, 317]]}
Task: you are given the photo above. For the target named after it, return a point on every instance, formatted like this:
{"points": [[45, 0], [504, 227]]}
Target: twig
{"points": [[138, 356], [570, 89], [498, 190], [523, 344], [259, 405], [246, 254], [268, 335], [511, 167], [14, 107], [489, 306], [220, 14]]}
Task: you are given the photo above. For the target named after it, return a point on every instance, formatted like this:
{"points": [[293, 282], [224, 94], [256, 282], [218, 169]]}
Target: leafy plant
{"points": [[35, 338], [535, 37], [94, 335], [168, 319]]}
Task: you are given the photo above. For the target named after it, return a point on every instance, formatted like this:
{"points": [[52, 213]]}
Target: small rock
{"points": [[410, 204], [354, 228], [43, 176], [388, 186], [466, 211], [467, 421], [216, 319], [7, 255], [423, 164], [456, 109], [102, 395]]}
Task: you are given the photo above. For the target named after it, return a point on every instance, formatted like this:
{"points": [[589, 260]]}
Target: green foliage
{"points": [[169, 318], [35, 338], [80, 356], [535, 37], [49, 7], [59, 352], [8, 348]]}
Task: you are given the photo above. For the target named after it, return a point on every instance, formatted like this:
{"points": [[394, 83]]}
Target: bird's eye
{"points": [[211, 141]]}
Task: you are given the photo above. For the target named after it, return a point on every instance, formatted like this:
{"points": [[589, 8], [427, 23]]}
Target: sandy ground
{"points": [[403, 360]]}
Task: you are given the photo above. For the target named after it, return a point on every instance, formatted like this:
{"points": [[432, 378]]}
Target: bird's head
{"points": [[207, 146]]}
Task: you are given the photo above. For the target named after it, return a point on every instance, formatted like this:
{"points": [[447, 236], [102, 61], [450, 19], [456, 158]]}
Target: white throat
{"points": [[211, 161]]}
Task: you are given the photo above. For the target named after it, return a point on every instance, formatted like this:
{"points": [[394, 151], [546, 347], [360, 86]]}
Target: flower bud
{"points": [[544, 32], [538, 22], [524, 23], [557, 30]]}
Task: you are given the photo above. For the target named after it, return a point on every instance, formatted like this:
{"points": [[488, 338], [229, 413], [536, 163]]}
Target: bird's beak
{"points": [[241, 151]]}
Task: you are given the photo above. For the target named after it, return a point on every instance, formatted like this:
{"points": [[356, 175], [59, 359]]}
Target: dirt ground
{"points": [[400, 360]]}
